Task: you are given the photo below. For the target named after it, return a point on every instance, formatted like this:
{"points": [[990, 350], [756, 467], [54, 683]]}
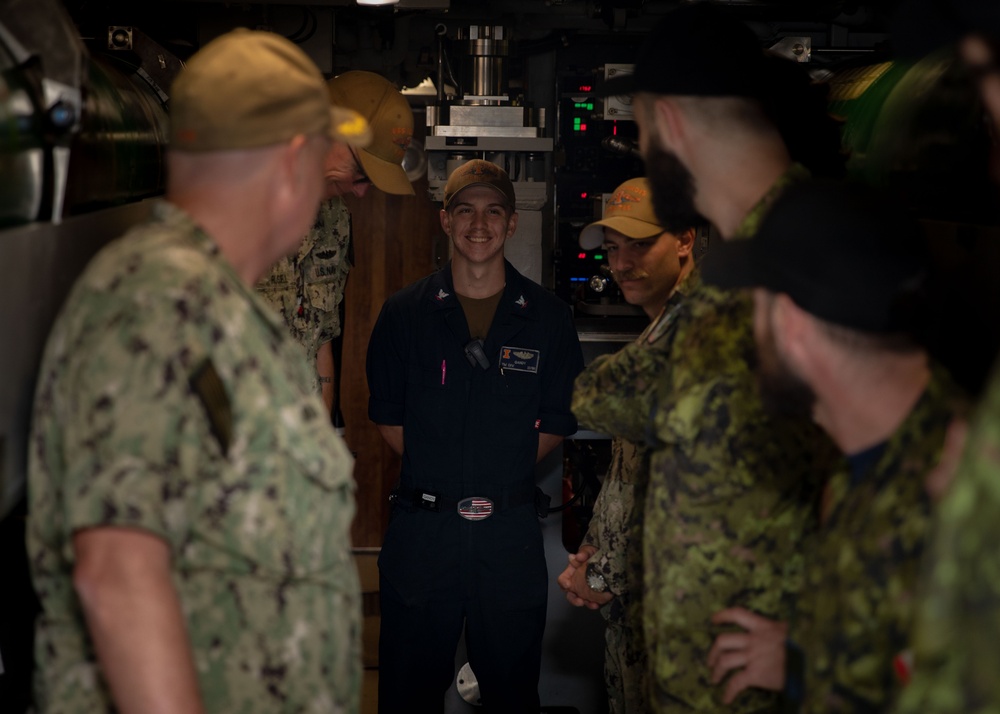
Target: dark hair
{"points": [[860, 341]]}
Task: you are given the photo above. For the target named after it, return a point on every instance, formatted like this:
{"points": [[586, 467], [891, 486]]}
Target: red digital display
{"points": [[585, 88]]}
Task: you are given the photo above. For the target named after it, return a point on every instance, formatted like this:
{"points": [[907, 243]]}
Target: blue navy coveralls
{"points": [[468, 432]]}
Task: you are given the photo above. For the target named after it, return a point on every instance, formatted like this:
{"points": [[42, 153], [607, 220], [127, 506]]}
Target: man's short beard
{"points": [[673, 189], [784, 394]]}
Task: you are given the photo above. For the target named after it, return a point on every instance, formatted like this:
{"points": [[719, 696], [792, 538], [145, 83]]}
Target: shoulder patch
{"points": [[207, 385]]}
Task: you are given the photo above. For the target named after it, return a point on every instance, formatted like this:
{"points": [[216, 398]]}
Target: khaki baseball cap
{"points": [[248, 89], [376, 99], [629, 211], [479, 173]]}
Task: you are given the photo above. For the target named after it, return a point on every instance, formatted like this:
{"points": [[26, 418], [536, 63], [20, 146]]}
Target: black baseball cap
{"points": [[841, 251], [695, 50]]}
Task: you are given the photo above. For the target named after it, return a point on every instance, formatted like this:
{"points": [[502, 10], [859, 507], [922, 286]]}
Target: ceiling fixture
{"points": [[377, 2]]}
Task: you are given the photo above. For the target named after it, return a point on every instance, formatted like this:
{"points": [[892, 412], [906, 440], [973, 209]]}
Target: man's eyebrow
{"points": [[488, 205]]}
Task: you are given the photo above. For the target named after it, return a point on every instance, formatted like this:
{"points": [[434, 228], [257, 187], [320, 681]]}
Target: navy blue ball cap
{"points": [[841, 251], [694, 50]]}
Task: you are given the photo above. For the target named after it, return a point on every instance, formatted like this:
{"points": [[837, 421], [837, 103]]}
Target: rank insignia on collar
{"points": [[441, 295], [521, 302]]}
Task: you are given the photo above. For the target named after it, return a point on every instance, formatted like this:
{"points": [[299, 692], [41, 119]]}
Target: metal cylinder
{"points": [[118, 156], [483, 63]]}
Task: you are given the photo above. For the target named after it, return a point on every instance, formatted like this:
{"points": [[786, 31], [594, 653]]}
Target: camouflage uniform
{"points": [[730, 489], [613, 531], [957, 657], [172, 400], [855, 614], [307, 289]]}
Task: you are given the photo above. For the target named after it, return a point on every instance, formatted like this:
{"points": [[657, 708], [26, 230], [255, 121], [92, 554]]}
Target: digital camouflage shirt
{"points": [[730, 492], [308, 288], [611, 525], [615, 528], [172, 400], [956, 650], [856, 612]]}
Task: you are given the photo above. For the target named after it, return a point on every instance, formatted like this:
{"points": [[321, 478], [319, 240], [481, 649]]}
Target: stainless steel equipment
{"points": [[81, 135], [481, 120]]}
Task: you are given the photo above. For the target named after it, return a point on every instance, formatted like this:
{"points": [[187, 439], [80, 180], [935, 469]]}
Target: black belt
{"points": [[476, 507]]}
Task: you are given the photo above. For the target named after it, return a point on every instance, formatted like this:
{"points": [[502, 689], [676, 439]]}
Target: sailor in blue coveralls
{"points": [[471, 371]]}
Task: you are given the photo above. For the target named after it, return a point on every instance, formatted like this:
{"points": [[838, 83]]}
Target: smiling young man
{"points": [[471, 371], [654, 269]]}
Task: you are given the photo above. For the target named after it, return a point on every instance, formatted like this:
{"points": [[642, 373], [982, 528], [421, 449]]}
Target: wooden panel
{"points": [[394, 242]]}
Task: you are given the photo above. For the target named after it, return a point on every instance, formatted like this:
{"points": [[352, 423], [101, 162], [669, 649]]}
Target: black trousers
{"points": [[417, 653]]}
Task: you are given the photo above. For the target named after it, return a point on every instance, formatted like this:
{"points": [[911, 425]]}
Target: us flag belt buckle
{"points": [[475, 508]]}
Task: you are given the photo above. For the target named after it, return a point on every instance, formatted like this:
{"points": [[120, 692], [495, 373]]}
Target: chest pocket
{"points": [[700, 429], [281, 503]]}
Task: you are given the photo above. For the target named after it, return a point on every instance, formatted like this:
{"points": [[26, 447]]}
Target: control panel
{"points": [[594, 154]]}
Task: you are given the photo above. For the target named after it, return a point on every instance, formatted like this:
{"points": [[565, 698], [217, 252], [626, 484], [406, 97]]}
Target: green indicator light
{"points": [[590, 106], [598, 256]]}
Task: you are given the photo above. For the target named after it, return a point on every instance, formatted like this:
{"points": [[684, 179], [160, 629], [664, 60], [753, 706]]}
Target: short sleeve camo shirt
{"points": [[171, 399]]}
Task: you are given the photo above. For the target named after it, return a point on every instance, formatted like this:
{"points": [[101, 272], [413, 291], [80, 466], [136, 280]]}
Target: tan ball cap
{"points": [[248, 89], [376, 99], [629, 211], [479, 173]]}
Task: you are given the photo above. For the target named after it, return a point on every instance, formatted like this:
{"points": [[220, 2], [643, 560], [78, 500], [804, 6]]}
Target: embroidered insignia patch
{"points": [[441, 294], [521, 302], [623, 199], [519, 359]]}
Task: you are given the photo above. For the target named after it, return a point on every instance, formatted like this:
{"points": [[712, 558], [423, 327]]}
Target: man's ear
{"points": [[445, 221], [288, 169], [512, 224], [292, 161], [685, 243], [792, 325], [669, 120], [978, 55]]}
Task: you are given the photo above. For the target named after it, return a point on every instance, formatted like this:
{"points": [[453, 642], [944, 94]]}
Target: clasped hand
{"points": [[573, 581]]}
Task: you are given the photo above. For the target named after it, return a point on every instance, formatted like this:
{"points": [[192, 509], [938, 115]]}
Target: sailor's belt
{"points": [[471, 508]]}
